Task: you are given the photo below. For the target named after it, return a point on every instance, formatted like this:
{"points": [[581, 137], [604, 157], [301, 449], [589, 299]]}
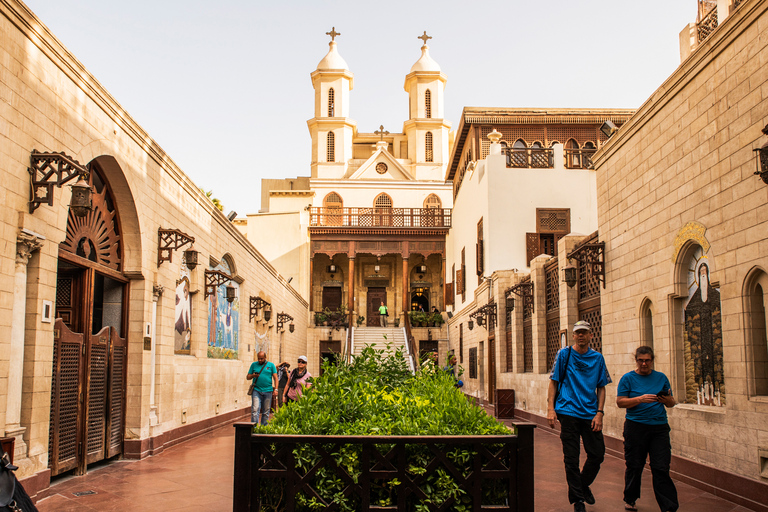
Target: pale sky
{"points": [[224, 88]]}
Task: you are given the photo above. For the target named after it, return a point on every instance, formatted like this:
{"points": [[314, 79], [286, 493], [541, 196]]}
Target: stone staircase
{"points": [[362, 336]]}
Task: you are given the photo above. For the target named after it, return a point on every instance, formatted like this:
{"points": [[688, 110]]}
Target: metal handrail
{"points": [[408, 340], [360, 217]]}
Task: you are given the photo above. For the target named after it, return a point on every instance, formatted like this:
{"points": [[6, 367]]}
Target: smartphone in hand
{"points": [[663, 393]]}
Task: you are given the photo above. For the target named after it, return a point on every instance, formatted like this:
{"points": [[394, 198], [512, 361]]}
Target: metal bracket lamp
{"points": [[485, 316], [523, 290], [49, 169], [257, 303], [214, 279], [592, 255], [761, 158], [281, 319], [169, 240]]}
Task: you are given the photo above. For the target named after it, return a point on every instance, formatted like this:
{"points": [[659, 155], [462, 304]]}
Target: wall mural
{"points": [[223, 320], [703, 336], [182, 332]]}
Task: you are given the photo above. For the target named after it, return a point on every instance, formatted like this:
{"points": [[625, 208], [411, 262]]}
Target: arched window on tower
{"points": [[428, 104], [428, 152], [331, 102], [334, 212], [382, 209], [331, 150]]}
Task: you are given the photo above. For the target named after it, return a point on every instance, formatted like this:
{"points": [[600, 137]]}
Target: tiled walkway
{"points": [[197, 476]]}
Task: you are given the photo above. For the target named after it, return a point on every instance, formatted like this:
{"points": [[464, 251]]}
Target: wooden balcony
{"points": [[530, 158], [579, 158], [420, 218]]}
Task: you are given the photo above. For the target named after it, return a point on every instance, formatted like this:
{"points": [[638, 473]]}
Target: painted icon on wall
{"points": [[223, 319], [182, 332], [703, 336]]}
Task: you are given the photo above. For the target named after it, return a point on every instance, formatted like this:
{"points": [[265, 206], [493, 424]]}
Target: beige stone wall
{"points": [[51, 103], [685, 157]]}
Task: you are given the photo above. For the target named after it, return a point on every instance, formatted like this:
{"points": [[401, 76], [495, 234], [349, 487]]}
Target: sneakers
{"points": [[579, 507], [588, 496]]}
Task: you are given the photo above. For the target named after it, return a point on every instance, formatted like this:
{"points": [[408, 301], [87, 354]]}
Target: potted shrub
{"points": [[360, 320], [437, 319], [321, 318]]}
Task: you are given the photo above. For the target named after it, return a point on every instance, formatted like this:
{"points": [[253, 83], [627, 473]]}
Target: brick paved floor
{"points": [[197, 476]]}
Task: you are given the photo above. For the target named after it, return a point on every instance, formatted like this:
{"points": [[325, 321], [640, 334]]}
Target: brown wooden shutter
{"points": [[449, 294], [479, 256], [531, 246]]}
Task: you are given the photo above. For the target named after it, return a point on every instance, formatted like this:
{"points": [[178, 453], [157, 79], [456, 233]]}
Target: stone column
{"points": [[311, 286], [27, 242], [157, 292], [406, 294]]}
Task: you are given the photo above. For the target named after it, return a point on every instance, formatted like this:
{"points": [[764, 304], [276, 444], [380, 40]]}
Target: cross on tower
{"points": [[381, 133], [424, 37], [333, 33]]}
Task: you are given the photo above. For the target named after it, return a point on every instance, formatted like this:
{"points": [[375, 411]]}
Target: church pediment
{"points": [[381, 166]]}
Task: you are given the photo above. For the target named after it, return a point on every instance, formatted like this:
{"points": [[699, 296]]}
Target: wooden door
{"points": [[332, 297], [375, 297], [492, 368]]}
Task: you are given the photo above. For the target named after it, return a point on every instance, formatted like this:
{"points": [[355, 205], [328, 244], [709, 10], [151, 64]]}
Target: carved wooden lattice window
{"points": [[428, 104], [456, 283], [552, 293], [429, 155], [461, 343], [528, 331], [383, 201], [331, 149], [552, 224], [473, 363], [479, 256], [589, 300], [331, 102], [432, 202], [334, 209]]}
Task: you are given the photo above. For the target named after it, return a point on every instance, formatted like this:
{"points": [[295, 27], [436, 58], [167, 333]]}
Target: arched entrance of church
{"points": [[89, 361]]}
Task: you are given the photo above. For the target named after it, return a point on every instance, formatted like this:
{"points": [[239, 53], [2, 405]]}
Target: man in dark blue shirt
{"points": [[576, 397]]}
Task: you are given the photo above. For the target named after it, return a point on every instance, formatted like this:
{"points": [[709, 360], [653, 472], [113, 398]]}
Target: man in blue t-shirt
{"points": [[576, 397], [264, 375]]}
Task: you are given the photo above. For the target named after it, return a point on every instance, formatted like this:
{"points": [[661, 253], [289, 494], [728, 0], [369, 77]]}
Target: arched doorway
{"points": [[89, 361]]}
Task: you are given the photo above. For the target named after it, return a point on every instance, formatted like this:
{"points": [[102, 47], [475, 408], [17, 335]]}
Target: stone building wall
{"points": [[677, 177], [51, 103]]}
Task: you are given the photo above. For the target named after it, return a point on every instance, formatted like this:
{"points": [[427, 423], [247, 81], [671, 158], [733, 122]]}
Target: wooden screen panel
{"points": [[505, 403], [595, 318], [528, 346], [97, 396], [331, 297], [63, 453], [116, 407], [473, 363], [553, 341]]}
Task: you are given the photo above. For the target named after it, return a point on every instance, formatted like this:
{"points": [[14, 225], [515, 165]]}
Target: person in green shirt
{"points": [[383, 314], [264, 375]]}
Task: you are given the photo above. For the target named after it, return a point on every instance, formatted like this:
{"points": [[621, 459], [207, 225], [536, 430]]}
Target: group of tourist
{"points": [[279, 382], [576, 398]]}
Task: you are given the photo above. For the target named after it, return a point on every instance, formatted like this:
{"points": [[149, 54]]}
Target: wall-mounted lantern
{"points": [[376, 268], [47, 170], [257, 303], [571, 275], [282, 318], [485, 316], [761, 158], [267, 313], [214, 279], [231, 293], [422, 269], [592, 255], [291, 327], [332, 269], [524, 290], [471, 325]]}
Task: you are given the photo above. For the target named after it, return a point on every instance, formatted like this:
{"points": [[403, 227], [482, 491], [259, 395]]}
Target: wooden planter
{"points": [[266, 462]]}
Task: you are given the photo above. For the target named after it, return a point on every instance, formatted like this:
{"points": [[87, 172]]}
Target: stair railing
{"points": [[409, 341]]}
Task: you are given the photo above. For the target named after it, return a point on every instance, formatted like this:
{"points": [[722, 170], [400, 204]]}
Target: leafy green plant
{"points": [[360, 320], [376, 394]]}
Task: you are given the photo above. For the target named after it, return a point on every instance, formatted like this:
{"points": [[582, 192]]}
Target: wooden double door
{"points": [[374, 299], [89, 369]]}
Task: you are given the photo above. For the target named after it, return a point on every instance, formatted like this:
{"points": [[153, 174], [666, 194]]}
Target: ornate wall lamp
{"points": [[591, 254], [485, 316], [332, 269], [523, 290], [257, 303], [49, 169], [761, 157], [281, 319], [471, 325], [168, 240], [214, 279]]}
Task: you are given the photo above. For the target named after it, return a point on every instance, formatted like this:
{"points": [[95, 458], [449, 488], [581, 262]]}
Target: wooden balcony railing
{"points": [[579, 158], [380, 217], [530, 158], [707, 25]]}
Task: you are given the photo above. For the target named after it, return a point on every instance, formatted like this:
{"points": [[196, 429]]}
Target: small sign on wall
{"points": [[148, 336], [47, 313]]}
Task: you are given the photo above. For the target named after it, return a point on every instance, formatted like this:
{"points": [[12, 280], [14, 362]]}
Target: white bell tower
{"points": [[331, 129], [426, 129]]}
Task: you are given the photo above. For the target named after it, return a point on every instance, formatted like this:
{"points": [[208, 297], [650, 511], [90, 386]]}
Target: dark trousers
{"points": [[571, 431], [641, 441]]}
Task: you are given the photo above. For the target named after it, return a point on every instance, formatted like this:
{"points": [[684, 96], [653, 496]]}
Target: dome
{"points": [[332, 60], [425, 62]]}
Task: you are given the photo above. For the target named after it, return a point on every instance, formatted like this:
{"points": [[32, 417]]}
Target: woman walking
{"points": [[298, 381], [645, 393]]}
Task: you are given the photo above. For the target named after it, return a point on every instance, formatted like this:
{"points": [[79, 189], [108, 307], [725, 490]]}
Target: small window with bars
{"points": [[382, 201], [331, 102], [429, 153], [428, 104], [331, 150]]}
